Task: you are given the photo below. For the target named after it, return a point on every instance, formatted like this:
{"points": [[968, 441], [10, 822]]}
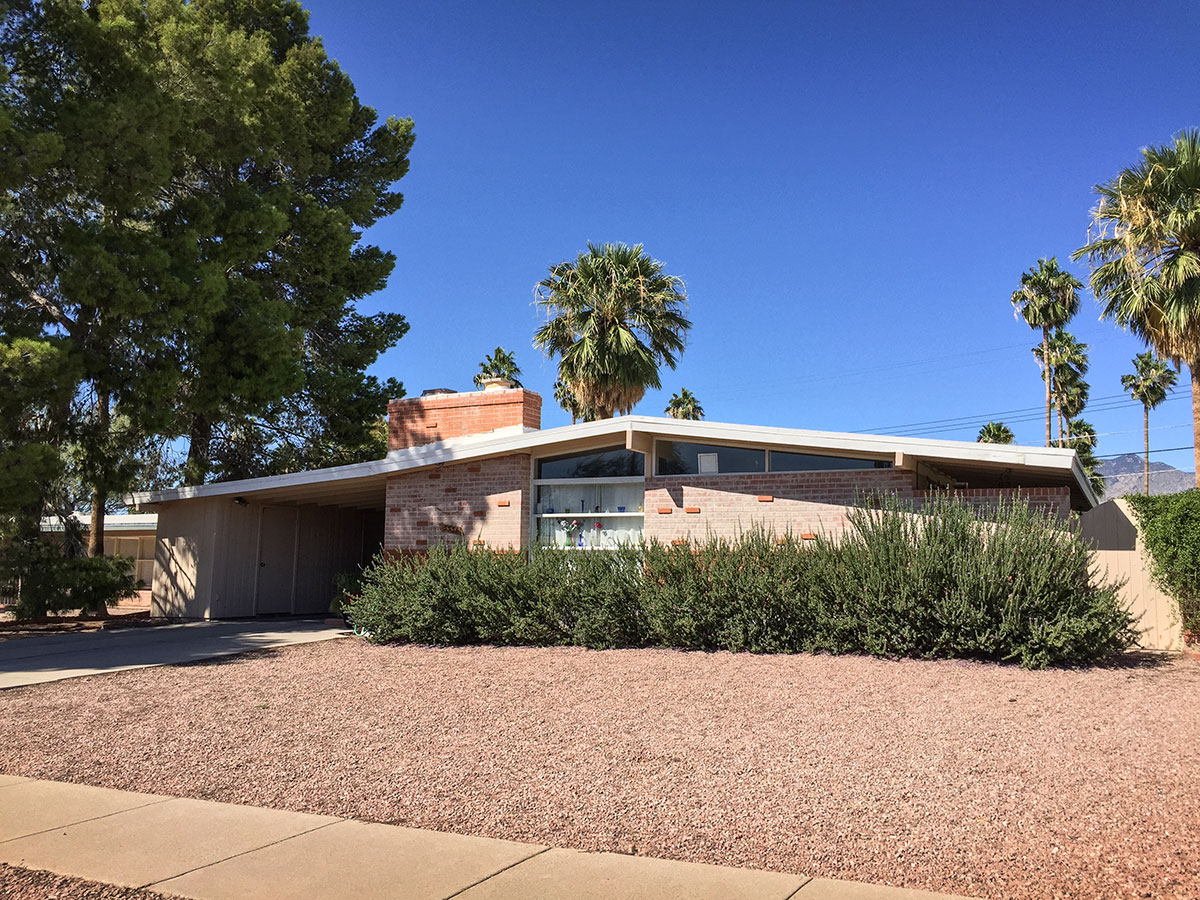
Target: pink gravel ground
{"points": [[977, 779], [30, 884]]}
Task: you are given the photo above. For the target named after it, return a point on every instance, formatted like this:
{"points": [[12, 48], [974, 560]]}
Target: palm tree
{"points": [[1145, 255], [995, 433], [1068, 365], [500, 364], [1149, 383], [568, 401], [684, 405], [1083, 441], [1070, 398], [615, 317], [1047, 300]]}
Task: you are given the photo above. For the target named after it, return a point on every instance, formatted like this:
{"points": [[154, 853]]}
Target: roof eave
{"points": [[492, 444]]}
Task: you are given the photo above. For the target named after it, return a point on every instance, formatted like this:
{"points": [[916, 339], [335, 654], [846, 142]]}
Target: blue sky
{"points": [[849, 190]]}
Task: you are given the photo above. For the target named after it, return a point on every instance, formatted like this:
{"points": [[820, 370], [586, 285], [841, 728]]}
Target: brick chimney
{"points": [[439, 415]]}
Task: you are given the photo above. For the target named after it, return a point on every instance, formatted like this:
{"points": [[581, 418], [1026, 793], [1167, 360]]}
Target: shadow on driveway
{"points": [[41, 659]]}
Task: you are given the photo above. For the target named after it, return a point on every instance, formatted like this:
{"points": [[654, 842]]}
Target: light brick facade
{"points": [[694, 506], [468, 502], [488, 502], [1055, 500], [414, 421]]}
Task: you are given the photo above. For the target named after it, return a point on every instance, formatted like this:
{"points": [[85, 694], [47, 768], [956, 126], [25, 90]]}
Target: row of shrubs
{"points": [[1009, 584]]}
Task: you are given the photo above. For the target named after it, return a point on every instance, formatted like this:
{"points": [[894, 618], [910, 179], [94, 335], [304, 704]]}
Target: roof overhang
{"points": [[358, 484]]}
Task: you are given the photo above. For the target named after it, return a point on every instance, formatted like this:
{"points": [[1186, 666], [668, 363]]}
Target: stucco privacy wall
{"points": [[484, 501], [694, 506], [207, 556]]}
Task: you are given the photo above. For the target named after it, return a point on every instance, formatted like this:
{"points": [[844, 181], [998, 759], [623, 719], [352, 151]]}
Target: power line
{"points": [[1152, 452], [975, 418], [969, 425], [934, 363], [1024, 414]]}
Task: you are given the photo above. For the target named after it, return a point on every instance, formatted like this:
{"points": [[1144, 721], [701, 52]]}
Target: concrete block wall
{"points": [[467, 502], [694, 506]]}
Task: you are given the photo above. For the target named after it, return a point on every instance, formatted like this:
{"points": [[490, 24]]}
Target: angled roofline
{"points": [[517, 440]]}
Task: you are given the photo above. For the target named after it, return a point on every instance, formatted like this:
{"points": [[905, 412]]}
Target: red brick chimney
{"points": [[439, 415]]}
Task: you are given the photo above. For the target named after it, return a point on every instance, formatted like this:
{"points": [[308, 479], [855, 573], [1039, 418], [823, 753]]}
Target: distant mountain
{"points": [[1123, 475]]}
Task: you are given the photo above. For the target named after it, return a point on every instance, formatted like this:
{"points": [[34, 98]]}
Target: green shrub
{"points": [[455, 595], [752, 594], [52, 583], [345, 588], [944, 581], [1005, 583], [1170, 527]]}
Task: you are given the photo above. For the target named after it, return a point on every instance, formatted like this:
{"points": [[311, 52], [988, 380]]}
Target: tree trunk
{"points": [[1145, 427], [1046, 378], [99, 492], [199, 458], [1192, 366]]}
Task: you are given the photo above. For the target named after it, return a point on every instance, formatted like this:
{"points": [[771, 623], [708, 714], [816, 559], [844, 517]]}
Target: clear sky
{"points": [[850, 190]]}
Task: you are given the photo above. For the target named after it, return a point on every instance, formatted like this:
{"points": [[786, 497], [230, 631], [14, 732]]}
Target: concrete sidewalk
{"points": [[219, 851], [35, 660]]}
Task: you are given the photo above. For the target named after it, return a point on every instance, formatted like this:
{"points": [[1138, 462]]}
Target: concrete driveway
{"points": [[35, 660]]}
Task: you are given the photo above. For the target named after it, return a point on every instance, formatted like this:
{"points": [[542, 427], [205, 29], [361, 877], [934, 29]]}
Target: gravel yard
{"points": [[977, 779], [30, 884]]}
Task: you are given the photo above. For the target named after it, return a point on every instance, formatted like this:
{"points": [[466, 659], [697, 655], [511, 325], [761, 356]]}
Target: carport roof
{"points": [[360, 484]]}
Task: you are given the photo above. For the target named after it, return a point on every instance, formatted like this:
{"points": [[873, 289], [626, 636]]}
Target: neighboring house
{"points": [[474, 467], [131, 536]]}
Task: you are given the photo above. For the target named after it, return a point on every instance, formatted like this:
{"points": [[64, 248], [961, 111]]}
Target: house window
{"points": [[813, 462], [611, 462], [680, 458], [590, 500]]}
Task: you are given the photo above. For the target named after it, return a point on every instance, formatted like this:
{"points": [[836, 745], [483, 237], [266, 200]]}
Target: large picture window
{"points": [[590, 500]]}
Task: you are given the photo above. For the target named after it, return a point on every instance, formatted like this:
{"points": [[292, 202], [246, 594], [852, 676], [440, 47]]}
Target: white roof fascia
{"points": [[517, 439], [1084, 483]]}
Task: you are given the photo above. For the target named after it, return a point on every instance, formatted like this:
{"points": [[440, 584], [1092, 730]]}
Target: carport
{"points": [[264, 546]]}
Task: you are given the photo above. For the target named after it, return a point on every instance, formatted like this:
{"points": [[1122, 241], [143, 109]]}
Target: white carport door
{"points": [[276, 583]]}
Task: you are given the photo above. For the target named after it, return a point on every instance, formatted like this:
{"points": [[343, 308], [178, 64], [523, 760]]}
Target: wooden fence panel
{"points": [[1111, 528]]}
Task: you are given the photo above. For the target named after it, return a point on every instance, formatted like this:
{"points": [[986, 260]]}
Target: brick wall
{"points": [[1056, 500], [724, 505], [414, 421], [474, 501]]}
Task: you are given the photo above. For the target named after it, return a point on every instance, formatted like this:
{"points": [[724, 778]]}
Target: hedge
{"points": [[1007, 584], [1169, 525]]}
